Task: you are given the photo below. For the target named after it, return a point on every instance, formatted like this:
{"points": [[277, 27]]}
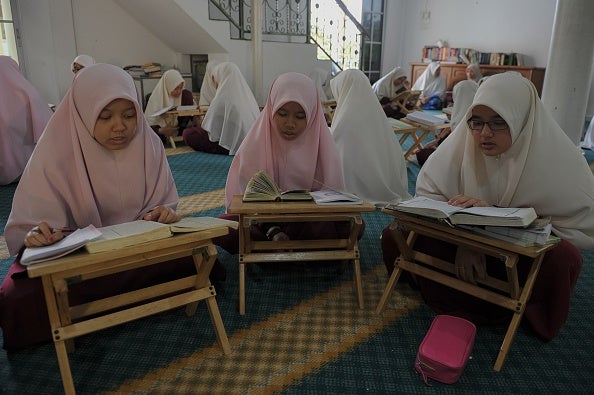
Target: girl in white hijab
{"points": [[361, 130], [432, 86], [473, 72], [80, 62], [208, 88], [390, 85], [520, 157], [230, 115]]}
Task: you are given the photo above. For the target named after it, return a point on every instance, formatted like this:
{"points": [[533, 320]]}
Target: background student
{"points": [[473, 72], [80, 62], [169, 91], [229, 117], [23, 116], [111, 169], [208, 88], [291, 142], [360, 130], [510, 153], [432, 86], [388, 87]]}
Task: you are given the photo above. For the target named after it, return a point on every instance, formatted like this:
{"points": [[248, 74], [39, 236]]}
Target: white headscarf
{"points": [[588, 142], [233, 109], [477, 71], [161, 97], [372, 159], [208, 88], [320, 78], [83, 60], [542, 168], [462, 94], [430, 84], [384, 87]]}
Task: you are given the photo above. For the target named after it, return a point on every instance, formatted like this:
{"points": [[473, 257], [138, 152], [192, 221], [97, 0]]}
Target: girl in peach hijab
{"points": [[99, 163], [23, 116], [292, 143]]}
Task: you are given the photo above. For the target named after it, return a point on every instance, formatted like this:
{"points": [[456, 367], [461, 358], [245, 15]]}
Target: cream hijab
{"points": [[83, 60], [462, 94], [542, 169], [361, 130], [72, 181], [310, 162], [320, 78], [429, 83], [208, 88], [232, 111], [161, 97], [23, 116], [384, 87]]}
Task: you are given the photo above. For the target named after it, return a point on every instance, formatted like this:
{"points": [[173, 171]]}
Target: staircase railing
{"points": [[328, 24]]}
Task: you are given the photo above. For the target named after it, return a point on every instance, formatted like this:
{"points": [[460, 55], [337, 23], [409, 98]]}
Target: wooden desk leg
{"points": [[358, 281], [389, 288], [217, 322], [515, 322], [59, 344], [172, 142], [241, 287]]}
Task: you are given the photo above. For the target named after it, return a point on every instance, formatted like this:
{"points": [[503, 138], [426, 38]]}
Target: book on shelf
{"points": [[424, 118], [455, 215], [151, 67], [262, 188], [68, 244], [140, 231], [331, 197]]}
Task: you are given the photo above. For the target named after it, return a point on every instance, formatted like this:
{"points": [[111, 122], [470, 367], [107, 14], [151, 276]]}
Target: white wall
{"points": [[107, 32]]}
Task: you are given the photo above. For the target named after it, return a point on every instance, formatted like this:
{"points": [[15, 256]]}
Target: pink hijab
{"points": [[23, 116], [72, 181], [310, 162]]}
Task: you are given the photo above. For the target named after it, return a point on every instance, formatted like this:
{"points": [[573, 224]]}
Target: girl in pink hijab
{"points": [[98, 162], [23, 116], [290, 141]]}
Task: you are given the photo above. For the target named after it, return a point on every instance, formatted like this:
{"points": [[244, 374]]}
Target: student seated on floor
{"points": [[432, 86], [229, 116], [509, 152], [111, 169], [169, 91], [23, 116], [291, 142], [388, 87], [208, 88]]}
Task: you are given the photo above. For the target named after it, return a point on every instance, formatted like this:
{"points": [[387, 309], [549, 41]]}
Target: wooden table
{"points": [[68, 322], [252, 251], [437, 131], [508, 293], [197, 112]]}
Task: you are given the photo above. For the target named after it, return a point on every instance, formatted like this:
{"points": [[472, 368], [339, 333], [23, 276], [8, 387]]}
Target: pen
{"points": [[63, 230]]}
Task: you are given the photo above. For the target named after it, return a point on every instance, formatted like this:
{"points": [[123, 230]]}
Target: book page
{"points": [[129, 233], [162, 111], [335, 197], [63, 247], [261, 187], [194, 224], [425, 206]]}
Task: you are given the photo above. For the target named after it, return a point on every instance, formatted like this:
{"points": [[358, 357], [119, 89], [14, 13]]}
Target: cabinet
{"points": [[456, 72]]}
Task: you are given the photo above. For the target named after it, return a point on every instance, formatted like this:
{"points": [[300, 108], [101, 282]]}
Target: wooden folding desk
{"points": [[437, 131], [508, 293], [183, 113], [68, 322], [252, 251]]}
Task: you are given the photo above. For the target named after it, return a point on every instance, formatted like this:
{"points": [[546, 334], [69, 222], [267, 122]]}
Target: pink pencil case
{"points": [[444, 351]]}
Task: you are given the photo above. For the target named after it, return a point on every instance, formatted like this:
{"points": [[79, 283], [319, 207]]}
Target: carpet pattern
{"points": [[302, 333]]}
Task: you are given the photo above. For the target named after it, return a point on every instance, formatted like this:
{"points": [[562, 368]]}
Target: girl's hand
{"points": [[42, 235], [162, 214], [467, 201]]}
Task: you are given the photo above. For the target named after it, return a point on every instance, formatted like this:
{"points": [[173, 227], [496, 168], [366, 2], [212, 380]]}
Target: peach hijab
{"points": [[542, 169], [72, 181], [23, 116], [310, 162]]}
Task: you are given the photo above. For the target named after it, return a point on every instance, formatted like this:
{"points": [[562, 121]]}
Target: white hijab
{"points": [[372, 159], [462, 94], [588, 142], [208, 88], [161, 97], [320, 78], [542, 168], [430, 84], [233, 110], [384, 87]]}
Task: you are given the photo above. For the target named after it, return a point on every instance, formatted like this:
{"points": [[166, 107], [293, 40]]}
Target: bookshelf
{"points": [[456, 72]]}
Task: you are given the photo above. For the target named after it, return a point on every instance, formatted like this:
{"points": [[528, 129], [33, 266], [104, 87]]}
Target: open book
{"points": [[68, 244], [425, 118], [141, 231], [335, 197], [262, 188], [494, 216], [162, 111]]}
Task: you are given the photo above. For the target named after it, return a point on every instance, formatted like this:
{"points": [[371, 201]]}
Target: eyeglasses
{"points": [[477, 125]]}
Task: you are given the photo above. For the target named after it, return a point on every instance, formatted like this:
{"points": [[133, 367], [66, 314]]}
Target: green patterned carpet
{"points": [[302, 333]]}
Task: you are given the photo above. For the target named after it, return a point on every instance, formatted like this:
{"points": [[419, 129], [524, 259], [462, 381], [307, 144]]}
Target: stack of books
{"points": [[425, 119], [152, 67]]}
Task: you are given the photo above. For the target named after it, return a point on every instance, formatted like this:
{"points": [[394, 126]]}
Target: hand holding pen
{"points": [[43, 235], [162, 214]]}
